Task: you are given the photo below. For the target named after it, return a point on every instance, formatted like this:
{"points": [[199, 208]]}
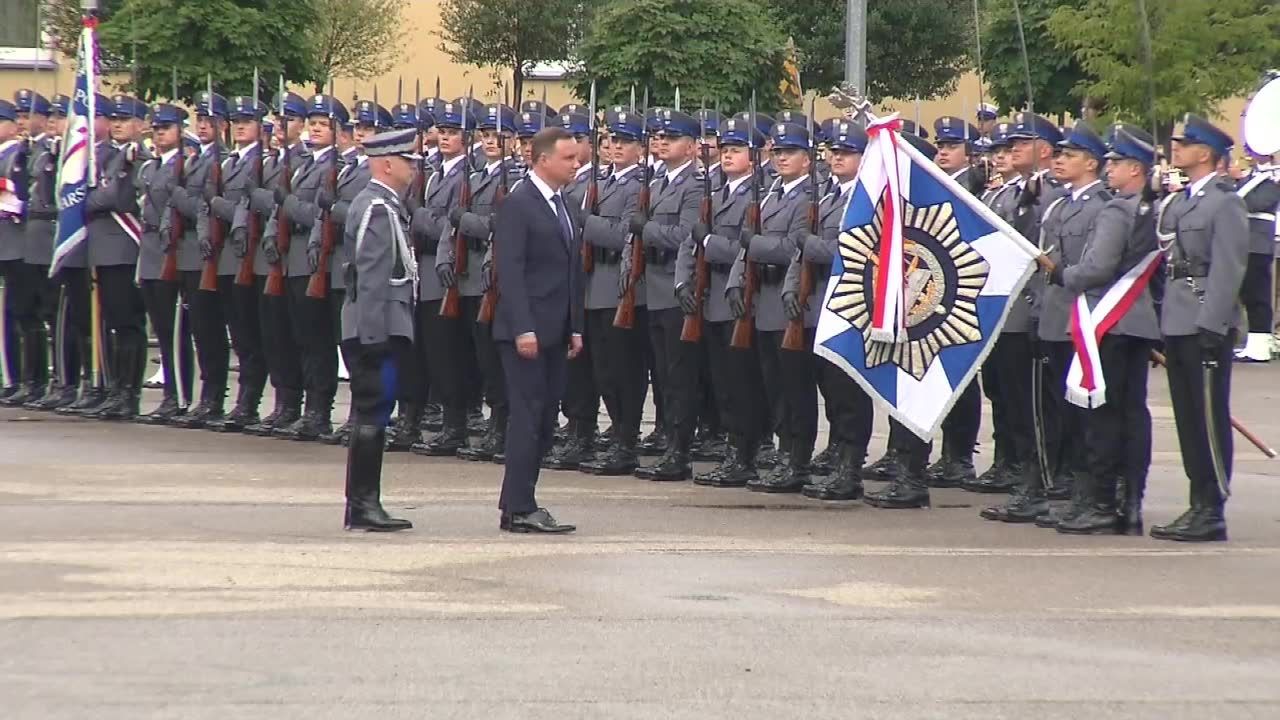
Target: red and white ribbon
{"points": [[888, 313], [1086, 386], [129, 223]]}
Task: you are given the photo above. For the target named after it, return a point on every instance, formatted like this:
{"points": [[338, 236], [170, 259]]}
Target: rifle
{"points": [[793, 338], [169, 268], [489, 302], [625, 316], [419, 188], [692, 330], [318, 285], [275, 275], [209, 272], [451, 306], [244, 277], [744, 327], [591, 202]]}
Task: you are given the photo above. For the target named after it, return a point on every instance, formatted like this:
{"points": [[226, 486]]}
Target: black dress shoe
{"points": [[1096, 520], [1195, 525], [538, 521], [162, 415], [372, 519], [782, 480], [445, 444]]}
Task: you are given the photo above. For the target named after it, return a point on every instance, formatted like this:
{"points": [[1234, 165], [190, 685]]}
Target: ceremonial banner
{"points": [[76, 172], [927, 267]]}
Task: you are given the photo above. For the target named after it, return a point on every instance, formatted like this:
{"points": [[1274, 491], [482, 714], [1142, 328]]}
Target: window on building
{"points": [[19, 27]]}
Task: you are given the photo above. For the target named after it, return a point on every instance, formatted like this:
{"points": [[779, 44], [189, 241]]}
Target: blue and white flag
{"points": [[76, 172], [921, 285]]}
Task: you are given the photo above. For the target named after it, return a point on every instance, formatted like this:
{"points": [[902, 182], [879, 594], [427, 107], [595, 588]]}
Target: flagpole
{"points": [[97, 345]]}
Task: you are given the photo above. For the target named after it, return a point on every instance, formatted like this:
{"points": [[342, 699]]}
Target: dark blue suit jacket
{"points": [[540, 283]]}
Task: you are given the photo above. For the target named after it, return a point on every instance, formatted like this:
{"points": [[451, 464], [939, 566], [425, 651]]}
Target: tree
{"points": [[61, 21], [910, 53], [1202, 52], [355, 38], [511, 34], [714, 50], [1056, 74]]}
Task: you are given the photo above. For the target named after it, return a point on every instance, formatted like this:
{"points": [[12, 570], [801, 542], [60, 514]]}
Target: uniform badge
{"points": [[943, 275]]}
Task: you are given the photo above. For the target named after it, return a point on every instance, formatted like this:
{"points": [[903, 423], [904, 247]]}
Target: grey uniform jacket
{"points": [[1262, 201], [156, 177], [575, 193], [673, 210], [608, 232], [1024, 314], [262, 201], [722, 249], [476, 227], [301, 209], [431, 223], [42, 204], [819, 252], [352, 178], [118, 191], [379, 301], [1211, 235], [1066, 227], [238, 181], [784, 224], [189, 201], [13, 167], [1113, 249]]}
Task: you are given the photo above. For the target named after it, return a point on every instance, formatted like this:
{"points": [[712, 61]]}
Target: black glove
{"points": [[1211, 344], [1030, 193], [279, 195], [638, 221], [313, 256], [1055, 276], [325, 199], [700, 232], [737, 302], [792, 306], [239, 241], [446, 275], [978, 179], [455, 216], [744, 237], [687, 297], [206, 246], [271, 251]]}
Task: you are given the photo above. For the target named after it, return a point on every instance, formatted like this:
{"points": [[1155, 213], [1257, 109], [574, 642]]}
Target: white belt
{"points": [[1269, 217]]}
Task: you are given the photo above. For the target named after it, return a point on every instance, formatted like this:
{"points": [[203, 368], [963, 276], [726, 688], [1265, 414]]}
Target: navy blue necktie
{"points": [[566, 230]]}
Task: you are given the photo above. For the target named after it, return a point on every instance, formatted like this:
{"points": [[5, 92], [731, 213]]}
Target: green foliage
{"points": [[61, 21], [915, 48], [355, 38], [512, 34], [1056, 75], [1202, 52], [225, 38], [715, 50]]}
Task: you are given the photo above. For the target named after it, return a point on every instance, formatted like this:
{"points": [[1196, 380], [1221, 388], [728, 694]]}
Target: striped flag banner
{"points": [[76, 172]]}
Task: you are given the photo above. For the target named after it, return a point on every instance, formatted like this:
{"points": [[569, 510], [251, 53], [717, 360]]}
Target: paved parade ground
{"points": [[162, 573]]}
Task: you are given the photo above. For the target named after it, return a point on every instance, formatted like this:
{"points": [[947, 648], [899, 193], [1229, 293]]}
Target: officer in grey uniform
{"points": [[1207, 231], [240, 169], [734, 375], [158, 178], [848, 406], [115, 231], [441, 340], [353, 174], [205, 309], [1261, 192], [378, 318], [789, 378], [13, 196], [675, 197], [37, 308], [1117, 433], [279, 345], [617, 354]]}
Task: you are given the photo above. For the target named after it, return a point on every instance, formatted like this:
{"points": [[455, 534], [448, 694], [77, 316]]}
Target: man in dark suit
{"points": [[540, 311]]}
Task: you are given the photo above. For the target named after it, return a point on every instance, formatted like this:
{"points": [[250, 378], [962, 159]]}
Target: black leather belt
{"points": [[771, 274], [1183, 269], [606, 256], [655, 256]]}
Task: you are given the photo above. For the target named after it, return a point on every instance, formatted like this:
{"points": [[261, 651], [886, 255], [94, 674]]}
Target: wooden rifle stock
{"points": [[451, 306], [745, 326], [692, 329], [489, 301], [625, 316], [275, 275], [593, 206], [169, 268], [244, 277], [318, 285], [217, 233], [793, 337]]}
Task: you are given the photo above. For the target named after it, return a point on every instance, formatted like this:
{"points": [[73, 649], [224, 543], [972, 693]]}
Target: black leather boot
{"points": [[313, 423], [620, 458], [407, 430], [210, 410], [1005, 480], [726, 465], [824, 462], [886, 468], [446, 443], [713, 447], [674, 466], [27, 391], [908, 490], [743, 470], [245, 412], [604, 440], [655, 443], [364, 483], [993, 476], [578, 448], [1062, 484], [1078, 504], [768, 456], [90, 397], [791, 478], [1026, 503], [433, 418], [53, 392], [477, 426], [957, 467], [1131, 495], [844, 482], [162, 415], [1204, 522], [1098, 516], [284, 412]]}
